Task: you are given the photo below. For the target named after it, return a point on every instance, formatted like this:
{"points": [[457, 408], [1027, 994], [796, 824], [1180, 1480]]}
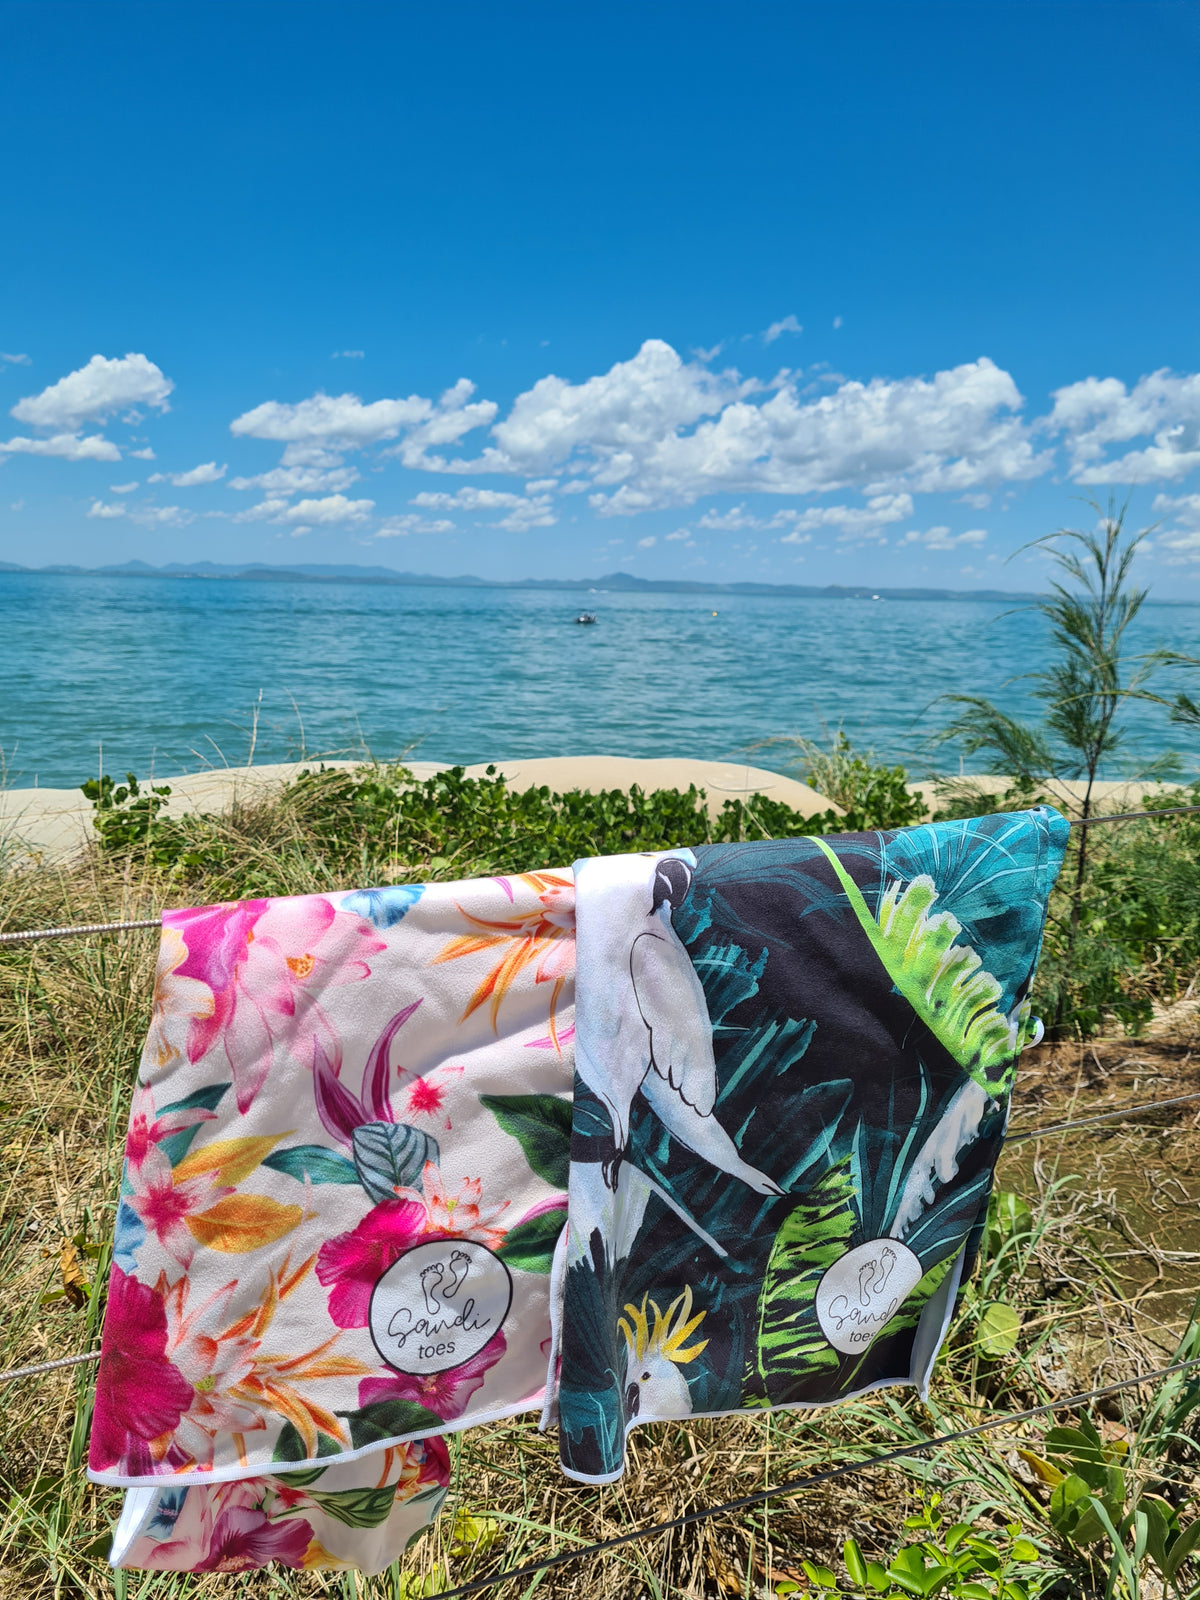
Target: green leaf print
{"points": [[357, 1508], [790, 1345], [384, 1421], [944, 982], [541, 1125], [530, 1245]]}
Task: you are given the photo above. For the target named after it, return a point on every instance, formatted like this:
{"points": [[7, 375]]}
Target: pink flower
{"points": [[444, 1393], [177, 1002], [435, 1463], [164, 1204], [457, 1216], [244, 1538], [214, 1361], [146, 1128], [140, 1395], [353, 1262], [266, 962]]}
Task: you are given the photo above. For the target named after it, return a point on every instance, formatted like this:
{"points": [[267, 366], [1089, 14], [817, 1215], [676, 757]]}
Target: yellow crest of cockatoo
{"points": [[654, 1386]]}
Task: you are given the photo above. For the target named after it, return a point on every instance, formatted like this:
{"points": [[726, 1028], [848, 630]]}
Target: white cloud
{"points": [[165, 516], [523, 512], [410, 522], [541, 485], [679, 535], [333, 508], [343, 422], [837, 322], [67, 446], [123, 488], [208, 472], [96, 391], [942, 539], [851, 522], [20, 360], [647, 543], [1180, 542], [346, 355], [656, 431], [1098, 413], [144, 455], [99, 509], [978, 502], [298, 479], [786, 324]]}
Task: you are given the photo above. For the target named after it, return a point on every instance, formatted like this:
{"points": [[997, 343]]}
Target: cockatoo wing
{"points": [[671, 1000]]}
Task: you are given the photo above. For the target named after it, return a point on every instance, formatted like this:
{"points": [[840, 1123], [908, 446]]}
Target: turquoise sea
{"points": [[167, 674]]}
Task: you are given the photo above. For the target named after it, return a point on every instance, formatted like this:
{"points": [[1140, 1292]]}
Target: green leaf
{"points": [[176, 1145], [290, 1447], [392, 1155], [877, 1577], [1024, 1550], [791, 1349], [972, 1591], [856, 1567], [357, 1508], [821, 1576], [541, 1125], [530, 1245], [999, 1329], [1182, 1548], [312, 1161], [387, 1420]]}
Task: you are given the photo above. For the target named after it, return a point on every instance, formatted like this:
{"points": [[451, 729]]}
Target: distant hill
{"points": [[612, 582]]}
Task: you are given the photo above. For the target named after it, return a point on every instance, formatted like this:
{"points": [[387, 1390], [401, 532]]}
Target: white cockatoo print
{"points": [[655, 1388], [654, 1032]]}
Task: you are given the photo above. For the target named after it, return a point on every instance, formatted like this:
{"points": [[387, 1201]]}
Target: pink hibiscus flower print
{"points": [[266, 963], [178, 1001], [164, 1203], [244, 1538], [140, 1395], [350, 1263], [444, 1393], [456, 1216], [147, 1128]]}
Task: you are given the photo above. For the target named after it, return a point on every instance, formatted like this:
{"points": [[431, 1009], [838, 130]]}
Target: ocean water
{"points": [[168, 675]]}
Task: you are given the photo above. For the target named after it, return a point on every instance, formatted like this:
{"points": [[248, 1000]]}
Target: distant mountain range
{"points": [[614, 582]]}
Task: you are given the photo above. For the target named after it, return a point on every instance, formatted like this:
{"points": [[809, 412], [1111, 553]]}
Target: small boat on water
{"points": [[586, 617]]}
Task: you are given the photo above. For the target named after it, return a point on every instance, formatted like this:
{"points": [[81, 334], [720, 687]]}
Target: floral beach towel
{"points": [[343, 1187], [793, 1069]]}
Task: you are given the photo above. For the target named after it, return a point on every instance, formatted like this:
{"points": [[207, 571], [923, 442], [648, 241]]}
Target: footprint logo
{"points": [[460, 1265], [431, 1278]]}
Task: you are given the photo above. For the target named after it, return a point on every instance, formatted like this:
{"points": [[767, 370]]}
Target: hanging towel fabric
{"points": [[344, 1180], [353, 1514], [793, 1069]]}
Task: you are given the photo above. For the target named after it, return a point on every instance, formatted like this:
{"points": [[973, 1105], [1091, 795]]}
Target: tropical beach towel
{"points": [[343, 1184], [793, 1069]]}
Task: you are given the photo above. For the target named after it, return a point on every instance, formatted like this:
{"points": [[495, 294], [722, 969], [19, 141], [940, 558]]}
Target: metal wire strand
{"points": [[27, 934], [48, 1366]]}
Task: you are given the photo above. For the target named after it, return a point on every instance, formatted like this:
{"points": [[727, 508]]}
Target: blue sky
{"points": [[801, 292]]}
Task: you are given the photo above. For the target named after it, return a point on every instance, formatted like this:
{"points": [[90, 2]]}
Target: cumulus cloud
{"points": [[19, 360], [786, 324], [656, 431], [96, 391], [208, 472], [1178, 542], [344, 422], [348, 355], [123, 488], [524, 512], [647, 543], [144, 455], [331, 509], [678, 536], [99, 509], [942, 539], [410, 522], [849, 522], [298, 479], [1098, 413], [67, 446]]}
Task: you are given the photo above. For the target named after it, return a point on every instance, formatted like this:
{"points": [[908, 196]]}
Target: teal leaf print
{"points": [[530, 1245], [790, 1348], [390, 1156], [176, 1145], [386, 1420], [944, 982], [314, 1162], [541, 1125]]}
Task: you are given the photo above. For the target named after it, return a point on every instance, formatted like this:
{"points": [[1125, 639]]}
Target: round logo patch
{"points": [[863, 1290], [438, 1305]]}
